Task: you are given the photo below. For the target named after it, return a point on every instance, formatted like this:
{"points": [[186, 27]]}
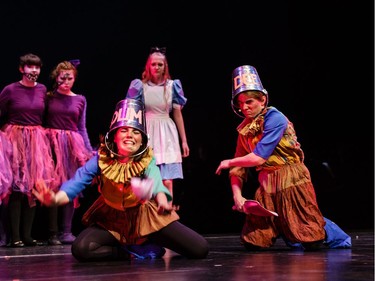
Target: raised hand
{"points": [[142, 188], [44, 194]]}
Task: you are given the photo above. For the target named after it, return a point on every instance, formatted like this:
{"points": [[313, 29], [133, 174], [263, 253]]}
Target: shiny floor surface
{"points": [[227, 261]]}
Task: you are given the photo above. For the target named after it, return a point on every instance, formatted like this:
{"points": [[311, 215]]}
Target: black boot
{"points": [[54, 240]]}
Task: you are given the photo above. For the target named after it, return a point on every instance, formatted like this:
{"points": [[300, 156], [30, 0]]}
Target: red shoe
{"points": [[254, 207]]}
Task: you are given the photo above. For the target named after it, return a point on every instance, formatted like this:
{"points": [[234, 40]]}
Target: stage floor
{"points": [[227, 260]]}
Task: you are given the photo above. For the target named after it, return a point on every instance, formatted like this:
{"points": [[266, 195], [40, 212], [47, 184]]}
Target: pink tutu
{"points": [[6, 175], [32, 157], [69, 152]]}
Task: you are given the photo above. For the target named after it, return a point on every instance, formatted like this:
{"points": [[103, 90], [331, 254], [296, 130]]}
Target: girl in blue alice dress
{"points": [[164, 100]]}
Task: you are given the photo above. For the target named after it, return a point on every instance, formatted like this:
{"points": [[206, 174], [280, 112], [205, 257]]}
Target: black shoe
{"points": [[32, 242], [17, 244], [54, 241]]}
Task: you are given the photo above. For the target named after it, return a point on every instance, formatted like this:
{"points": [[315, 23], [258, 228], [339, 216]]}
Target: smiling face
{"points": [[128, 141]]}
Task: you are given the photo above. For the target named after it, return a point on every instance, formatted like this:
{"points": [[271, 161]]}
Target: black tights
{"points": [[67, 213], [97, 244], [21, 217], [182, 240]]}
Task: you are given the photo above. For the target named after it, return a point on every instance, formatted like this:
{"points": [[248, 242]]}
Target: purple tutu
{"points": [[6, 175], [69, 153], [32, 159]]}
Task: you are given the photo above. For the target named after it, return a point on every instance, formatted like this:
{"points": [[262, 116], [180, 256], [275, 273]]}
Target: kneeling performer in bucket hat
{"points": [[132, 217], [267, 141]]}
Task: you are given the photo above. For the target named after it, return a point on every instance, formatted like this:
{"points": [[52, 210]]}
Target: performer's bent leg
{"points": [[97, 244], [182, 240]]}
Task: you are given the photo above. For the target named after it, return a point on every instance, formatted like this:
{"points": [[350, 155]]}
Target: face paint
{"points": [[31, 72], [65, 78], [31, 76]]}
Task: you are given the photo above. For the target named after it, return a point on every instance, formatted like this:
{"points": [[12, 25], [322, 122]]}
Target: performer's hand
{"points": [[142, 188], [223, 165], [44, 194], [185, 149], [167, 209], [238, 203], [163, 205]]}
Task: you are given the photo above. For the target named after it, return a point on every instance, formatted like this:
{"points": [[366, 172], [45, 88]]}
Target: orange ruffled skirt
{"points": [[289, 192], [130, 226]]}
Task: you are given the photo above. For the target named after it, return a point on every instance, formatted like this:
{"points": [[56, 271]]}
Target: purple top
{"points": [[20, 105], [67, 113]]}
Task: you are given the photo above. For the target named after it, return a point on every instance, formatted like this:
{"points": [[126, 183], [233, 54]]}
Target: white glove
{"points": [[142, 188]]}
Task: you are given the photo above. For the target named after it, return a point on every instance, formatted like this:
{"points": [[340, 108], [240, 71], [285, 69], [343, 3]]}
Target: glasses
{"points": [[162, 50]]}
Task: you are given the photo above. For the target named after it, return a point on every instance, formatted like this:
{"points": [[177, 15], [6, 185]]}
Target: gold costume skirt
{"points": [[289, 192], [129, 226]]}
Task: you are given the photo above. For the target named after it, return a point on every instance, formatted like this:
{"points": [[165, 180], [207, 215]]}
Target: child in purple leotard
{"points": [[22, 106], [65, 123]]}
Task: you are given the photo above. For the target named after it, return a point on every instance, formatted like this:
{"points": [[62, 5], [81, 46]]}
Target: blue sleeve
{"points": [[178, 96], [153, 172], [82, 178], [275, 124], [82, 130], [135, 90]]}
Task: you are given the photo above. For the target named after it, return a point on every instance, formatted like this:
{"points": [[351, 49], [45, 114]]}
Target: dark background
{"points": [[315, 58]]}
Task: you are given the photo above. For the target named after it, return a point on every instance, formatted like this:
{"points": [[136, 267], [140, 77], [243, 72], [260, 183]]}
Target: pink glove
{"points": [[142, 188]]}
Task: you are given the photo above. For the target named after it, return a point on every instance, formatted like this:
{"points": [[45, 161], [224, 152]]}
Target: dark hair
{"points": [[30, 59], [109, 147]]}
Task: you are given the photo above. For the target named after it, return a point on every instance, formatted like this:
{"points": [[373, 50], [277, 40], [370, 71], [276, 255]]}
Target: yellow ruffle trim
{"points": [[119, 172], [253, 127]]}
